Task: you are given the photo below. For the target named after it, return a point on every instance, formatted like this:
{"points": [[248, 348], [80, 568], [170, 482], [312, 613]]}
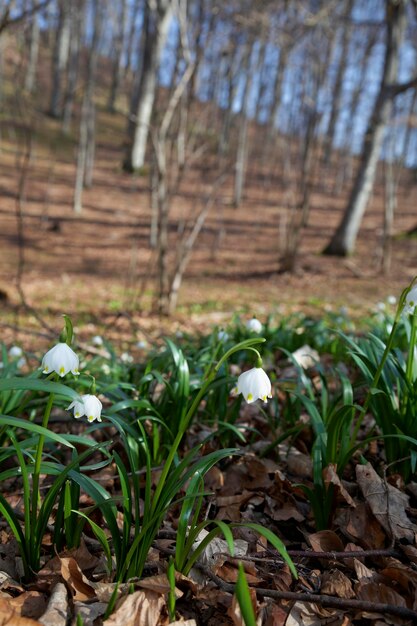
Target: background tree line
{"points": [[323, 89]]}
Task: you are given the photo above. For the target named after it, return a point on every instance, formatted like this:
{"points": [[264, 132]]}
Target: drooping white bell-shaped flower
{"points": [[90, 406], [254, 325], [222, 335], [15, 352], [97, 340], [254, 384], [60, 359], [411, 300]]}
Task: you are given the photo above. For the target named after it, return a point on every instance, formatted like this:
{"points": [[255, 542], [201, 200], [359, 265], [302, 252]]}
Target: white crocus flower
{"points": [[254, 384], [411, 300], [97, 340], [90, 406], [15, 352], [60, 359], [254, 325]]}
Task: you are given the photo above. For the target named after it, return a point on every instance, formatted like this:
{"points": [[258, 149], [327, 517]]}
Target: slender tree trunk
{"points": [[118, 56], [242, 145], [338, 86], [77, 9], [131, 35], [86, 146], [344, 239], [158, 21], [60, 59], [33, 54]]}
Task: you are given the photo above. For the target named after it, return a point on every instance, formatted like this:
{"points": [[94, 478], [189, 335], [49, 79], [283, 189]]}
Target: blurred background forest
{"points": [[163, 154]]}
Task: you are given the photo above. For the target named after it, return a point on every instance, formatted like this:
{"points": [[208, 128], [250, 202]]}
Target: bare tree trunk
{"points": [[86, 146], [344, 239], [242, 146], [118, 56], [33, 54], [60, 59], [338, 86], [159, 13], [390, 205], [77, 9], [131, 35]]}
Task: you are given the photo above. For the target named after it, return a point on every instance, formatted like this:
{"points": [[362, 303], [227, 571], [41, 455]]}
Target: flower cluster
{"points": [[61, 359]]}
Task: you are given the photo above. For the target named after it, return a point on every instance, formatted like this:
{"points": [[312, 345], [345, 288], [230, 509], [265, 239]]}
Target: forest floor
{"points": [[98, 265]]}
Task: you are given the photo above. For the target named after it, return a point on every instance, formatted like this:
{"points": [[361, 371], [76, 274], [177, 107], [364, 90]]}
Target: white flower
{"points": [[306, 356], [97, 340], [222, 335], [105, 368], [15, 352], [90, 406], [254, 325], [411, 300], [125, 357], [254, 384], [380, 306], [21, 362], [392, 300], [142, 344], [60, 359]]}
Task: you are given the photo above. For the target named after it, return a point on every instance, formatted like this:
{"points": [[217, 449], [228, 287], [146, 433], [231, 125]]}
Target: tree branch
{"points": [[6, 21]]}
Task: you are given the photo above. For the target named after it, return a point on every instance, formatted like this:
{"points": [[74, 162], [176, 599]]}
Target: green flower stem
{"points": [[381, 365], [38, 461], [410, 356], [243, 345]]}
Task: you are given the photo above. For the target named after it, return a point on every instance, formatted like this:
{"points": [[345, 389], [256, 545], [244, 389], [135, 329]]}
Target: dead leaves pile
{"points": [[347, 575]]}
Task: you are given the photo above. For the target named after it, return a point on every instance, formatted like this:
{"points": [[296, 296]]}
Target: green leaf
{"points": [[31, 384], [17, 422], [244, 599]]}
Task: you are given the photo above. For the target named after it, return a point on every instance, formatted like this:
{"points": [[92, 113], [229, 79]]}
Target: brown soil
{"points": [[99, 264]]}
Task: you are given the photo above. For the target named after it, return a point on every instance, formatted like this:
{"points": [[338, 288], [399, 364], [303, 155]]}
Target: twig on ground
{"points": [[324, 600]]}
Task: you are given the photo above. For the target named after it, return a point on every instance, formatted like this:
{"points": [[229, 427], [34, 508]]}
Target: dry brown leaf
{"points": [[330, 477], [29, 604], [159, 584], [387, 503], [90, 611], [283, 578], [378, 592], [10, 617], [79, 585], [229, 572], [404, 576], [325, 541], [336, 583], [57, 612], [362, 571], [282, 511], [361, 526], [307, 614], [275, 615], [187, 622], [141, 608]]}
